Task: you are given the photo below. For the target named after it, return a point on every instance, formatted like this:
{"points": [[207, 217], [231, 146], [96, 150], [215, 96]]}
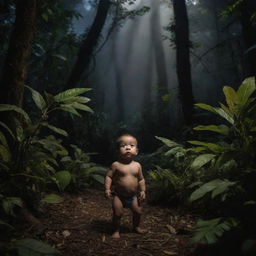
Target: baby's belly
{"points": [[126, 186]]}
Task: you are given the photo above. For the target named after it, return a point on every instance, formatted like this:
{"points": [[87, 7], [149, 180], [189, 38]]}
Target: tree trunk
{"points": [[90, 42], [182, 59], [248, 8], [16, 64]]}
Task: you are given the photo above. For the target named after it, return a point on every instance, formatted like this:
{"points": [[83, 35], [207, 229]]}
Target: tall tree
{"points": [[248, 20], [16, 64], [183, 59], [88, 45]]}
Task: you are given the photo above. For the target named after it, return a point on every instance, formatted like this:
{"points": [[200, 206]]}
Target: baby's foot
{"points": [[116, 235], [140, 230]]}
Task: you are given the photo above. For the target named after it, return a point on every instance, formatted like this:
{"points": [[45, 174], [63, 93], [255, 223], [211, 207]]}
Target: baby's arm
{"points": [[108, 181], [142, 184]]}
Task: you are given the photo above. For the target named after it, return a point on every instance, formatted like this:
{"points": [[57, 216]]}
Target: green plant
{"points": [[230, 163], [28, 161], [83, 172]]}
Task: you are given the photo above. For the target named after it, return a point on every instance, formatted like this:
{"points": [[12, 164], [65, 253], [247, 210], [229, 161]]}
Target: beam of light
{"points": [[194, 2], [87, 5]]}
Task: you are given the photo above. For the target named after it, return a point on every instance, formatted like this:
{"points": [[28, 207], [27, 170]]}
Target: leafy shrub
{"points": [[29, 161], [232, 164]]}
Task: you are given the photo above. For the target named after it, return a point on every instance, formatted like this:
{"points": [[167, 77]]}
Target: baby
{"points": [[126, 177]]}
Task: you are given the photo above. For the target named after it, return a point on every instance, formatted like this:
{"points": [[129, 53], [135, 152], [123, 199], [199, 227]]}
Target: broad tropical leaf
{"points": [[245, 90], [222, 129], [210, 230], [5, 153], [201, 160], [216, 186], [52, 199], [70, 94], [211, 146], [55, 129], [80, 106], [7, 107], [63, 179], [7, 129], [69, 108], [98, 178], [38, 98], [167, 142], [231, 97]]}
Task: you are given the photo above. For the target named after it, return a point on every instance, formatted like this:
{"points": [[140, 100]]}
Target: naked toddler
{"points": [[126, 177]]}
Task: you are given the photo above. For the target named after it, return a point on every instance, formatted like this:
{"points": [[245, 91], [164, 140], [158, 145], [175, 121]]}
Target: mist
{"points": [[138, 58]]}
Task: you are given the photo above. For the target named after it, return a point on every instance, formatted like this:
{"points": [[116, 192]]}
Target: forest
{"points": [[178, 76]]}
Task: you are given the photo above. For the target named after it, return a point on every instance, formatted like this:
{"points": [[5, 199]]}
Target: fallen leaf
{"points": [[170, 253], [66, 233], [171, 229]]}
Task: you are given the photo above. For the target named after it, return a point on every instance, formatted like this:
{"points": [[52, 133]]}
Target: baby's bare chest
{"points": [[124, 171]]}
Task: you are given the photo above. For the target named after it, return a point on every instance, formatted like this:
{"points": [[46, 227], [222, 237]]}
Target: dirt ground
{"points": [[81, 226]]}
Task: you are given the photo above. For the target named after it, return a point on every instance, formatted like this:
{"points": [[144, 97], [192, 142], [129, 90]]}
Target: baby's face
{"points": [[127, 147]]}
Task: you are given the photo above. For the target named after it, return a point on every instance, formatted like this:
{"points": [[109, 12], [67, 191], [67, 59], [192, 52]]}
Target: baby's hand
{"points": [[108, 193], [142, 195]]}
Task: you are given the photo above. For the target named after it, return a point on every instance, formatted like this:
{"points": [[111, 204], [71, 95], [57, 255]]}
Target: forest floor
{"points": [[81, 226]]}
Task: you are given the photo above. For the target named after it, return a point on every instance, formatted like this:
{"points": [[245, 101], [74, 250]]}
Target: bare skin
{"points": [[127, 178]]}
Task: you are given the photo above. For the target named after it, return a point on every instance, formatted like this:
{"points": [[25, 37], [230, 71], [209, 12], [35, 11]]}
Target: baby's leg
{"points": [[137, 210], [117, 214]]}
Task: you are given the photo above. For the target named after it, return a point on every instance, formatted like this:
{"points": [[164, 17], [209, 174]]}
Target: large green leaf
{"points": [[7, 129], [206, 107], [81, 107], [167, 142], [5, 153], [222, 129], [245, 90], [55, 129], [7, 107], [52, 199], [231, 97], [3, 139], [63, 179], [202, 160], [69, 108], [225, 115], [210, 230], [32, 247], [70, 94], [220, 111], [211, 146], [10, 202], [98, 178], [217, 187], [38, 98]]}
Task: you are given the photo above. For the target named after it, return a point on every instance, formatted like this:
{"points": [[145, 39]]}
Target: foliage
{"points": [[28, 246], [167, 183], [222, 172], [231, 160], [210, 230], [83, 172], [29, 162]]}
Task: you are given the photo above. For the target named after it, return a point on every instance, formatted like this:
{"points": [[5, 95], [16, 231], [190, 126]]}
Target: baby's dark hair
{"points": [[118, 140]]}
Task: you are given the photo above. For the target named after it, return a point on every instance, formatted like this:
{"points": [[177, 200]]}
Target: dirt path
{"points": [[81, 226]]}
